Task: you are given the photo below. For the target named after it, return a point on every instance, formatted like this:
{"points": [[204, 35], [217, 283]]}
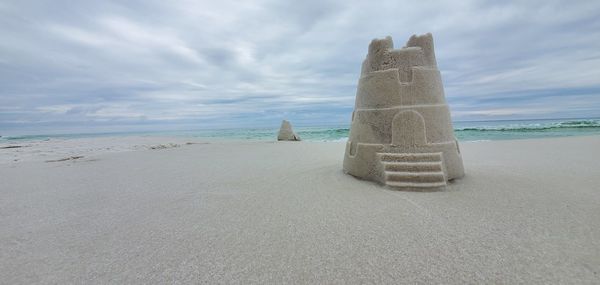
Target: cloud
{"points": [[228, 63]]}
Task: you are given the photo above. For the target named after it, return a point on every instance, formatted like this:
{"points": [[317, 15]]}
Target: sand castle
{"points": [[401, 134], [286, 133]]}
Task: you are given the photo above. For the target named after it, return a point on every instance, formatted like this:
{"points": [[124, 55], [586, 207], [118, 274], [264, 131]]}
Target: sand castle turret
{"points": [[286, 133], [401, 134]]}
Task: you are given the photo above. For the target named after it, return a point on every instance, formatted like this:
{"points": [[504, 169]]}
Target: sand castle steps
{"points": [[413, 170]]}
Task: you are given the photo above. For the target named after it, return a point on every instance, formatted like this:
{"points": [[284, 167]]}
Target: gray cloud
{"points": [[224, 64]]}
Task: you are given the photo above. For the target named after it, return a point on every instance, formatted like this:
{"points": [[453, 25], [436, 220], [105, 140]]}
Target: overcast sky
{"points": [[122, 65]]}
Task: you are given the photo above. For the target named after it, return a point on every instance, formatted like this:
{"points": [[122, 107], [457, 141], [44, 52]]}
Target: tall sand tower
{"points": [[401, 133]]}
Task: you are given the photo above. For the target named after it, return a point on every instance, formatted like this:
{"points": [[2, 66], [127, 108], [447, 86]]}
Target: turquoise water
{"points": [[464, 131], [525, 129]]}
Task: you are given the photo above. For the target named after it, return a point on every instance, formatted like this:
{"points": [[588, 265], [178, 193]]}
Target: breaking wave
{"points": [[535, 126]]}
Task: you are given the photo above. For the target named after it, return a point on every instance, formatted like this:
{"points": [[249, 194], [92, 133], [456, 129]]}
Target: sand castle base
{"points": [[418, 167]]}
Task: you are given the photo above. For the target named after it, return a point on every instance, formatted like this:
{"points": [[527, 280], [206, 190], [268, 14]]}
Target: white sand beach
{"points": [[527, 211]]}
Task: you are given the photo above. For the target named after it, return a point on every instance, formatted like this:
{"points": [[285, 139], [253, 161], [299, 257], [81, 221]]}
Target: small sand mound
{"points": [[66, 158], [165, 146]]}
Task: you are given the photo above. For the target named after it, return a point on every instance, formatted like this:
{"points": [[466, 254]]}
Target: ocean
{"points": [[464, 131]]}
